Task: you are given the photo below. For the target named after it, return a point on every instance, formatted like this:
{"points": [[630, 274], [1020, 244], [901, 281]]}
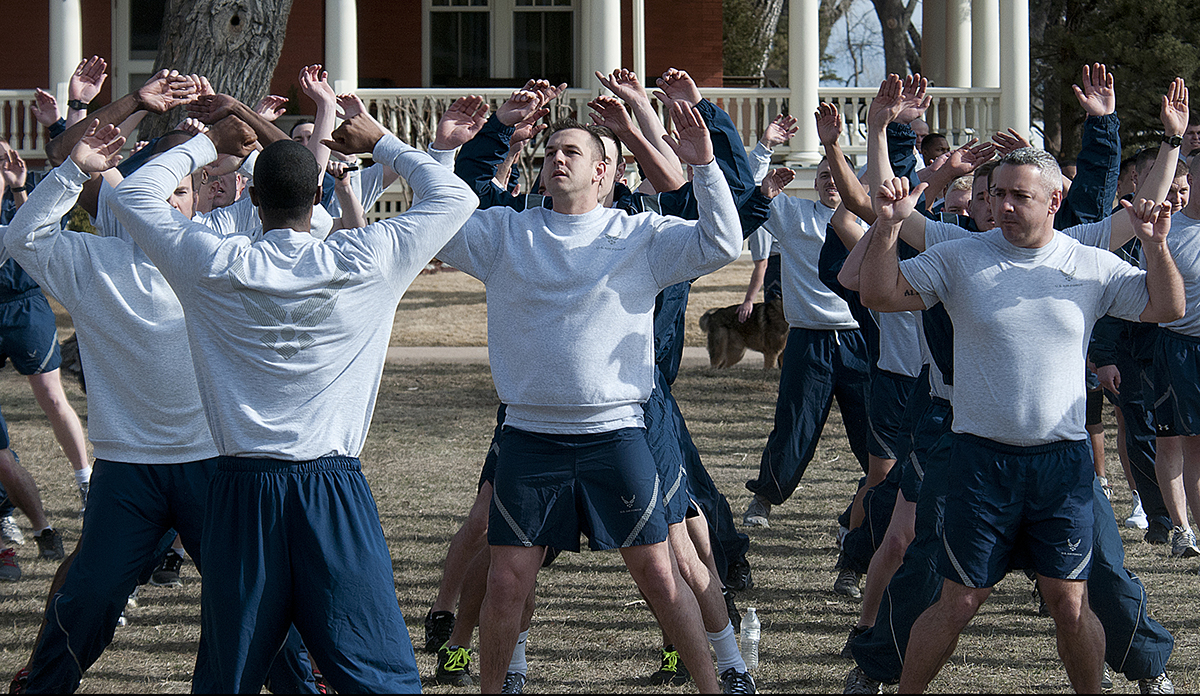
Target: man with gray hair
{"points": [[1023, 299]]}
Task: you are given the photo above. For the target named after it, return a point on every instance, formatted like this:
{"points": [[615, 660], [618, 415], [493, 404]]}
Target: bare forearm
{"points": [[266, 131], [114, 113], [322, 131], [851, 271], [504, 170], [353, 215], [1164, 285], [854, 196], [879, 275], [653, 130], [662, 173], [756, 280]]}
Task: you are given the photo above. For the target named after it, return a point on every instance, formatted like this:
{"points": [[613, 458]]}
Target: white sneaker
{"points": [[1183, 543], [758, 513], [10, 532], [1137, 519]]}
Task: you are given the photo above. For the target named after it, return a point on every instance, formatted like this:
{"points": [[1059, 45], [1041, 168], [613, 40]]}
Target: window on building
{"points": [[543, 39], [145, 26], [459, 42]]}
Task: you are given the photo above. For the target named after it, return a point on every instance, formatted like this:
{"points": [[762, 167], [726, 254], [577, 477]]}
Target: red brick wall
{"points": [[389, 41], [24, 57], [688, 39], [303, 45]]}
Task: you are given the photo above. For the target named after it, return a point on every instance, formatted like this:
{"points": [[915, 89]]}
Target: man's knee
{"points": [[1066, 600]]}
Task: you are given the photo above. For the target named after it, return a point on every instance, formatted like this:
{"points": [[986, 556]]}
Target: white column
{"points": [[804, 78], [341, 44], [604, 26], [639, 40], [985, 43], [933, 41], [66, 45], [1014, 66], [958, 43]]}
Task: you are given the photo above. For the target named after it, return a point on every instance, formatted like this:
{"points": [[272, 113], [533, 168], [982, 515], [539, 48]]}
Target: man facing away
{"points": [[288, 336]]}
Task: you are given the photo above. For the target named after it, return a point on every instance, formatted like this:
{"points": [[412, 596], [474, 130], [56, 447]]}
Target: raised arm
{"points": [[882, 286], [1157, 183], [829, 129], [82, 88], [212, 108], [1098, 165], [315, 83], [895, 97], [1151, 222], [625, 85], [162, 92], [663, 174]]}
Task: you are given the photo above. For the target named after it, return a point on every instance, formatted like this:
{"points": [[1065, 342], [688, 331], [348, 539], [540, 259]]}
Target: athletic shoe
{"points": [[1137, 519], [132, 601], [50, 546], [846, 584], [857, 682], [167, 572], [1157, 533], [9, 570], [735, 682], [514, 683], [758, 514], [1158, 685], [10, 532], [738, 576], [83, 495], [672, 671], [1106, 684], [1183, 543], [319, 680], [438, 627], [855, 631], [842, 533], [20, 680], [454, 666], [121, 620], [735, 616], [1108, 491]]}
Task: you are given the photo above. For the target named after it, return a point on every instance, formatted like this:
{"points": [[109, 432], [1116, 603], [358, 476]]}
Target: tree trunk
{"points": [[763, 37], [900, 38], [234, 43]]}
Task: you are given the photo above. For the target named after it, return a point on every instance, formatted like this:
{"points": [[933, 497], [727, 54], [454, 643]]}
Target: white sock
{"points": [[39, 533], [83, 475], [725, 645], [518, 663], [178, 551]]}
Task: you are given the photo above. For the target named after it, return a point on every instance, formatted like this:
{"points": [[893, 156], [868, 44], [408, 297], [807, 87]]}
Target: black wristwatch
{"points": [[19, 189], [77, 105], [1173, 141]]}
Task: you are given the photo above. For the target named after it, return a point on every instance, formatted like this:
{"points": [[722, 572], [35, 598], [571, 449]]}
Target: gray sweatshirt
{"points": [[289, 333], [143, 402], [571, 301]]}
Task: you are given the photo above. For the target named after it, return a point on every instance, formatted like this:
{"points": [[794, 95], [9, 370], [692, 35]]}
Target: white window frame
{"points": [[501, 27], [123, 66]]}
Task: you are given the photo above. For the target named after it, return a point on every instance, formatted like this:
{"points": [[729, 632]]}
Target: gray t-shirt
{"points": [[1021, 318], [1184, 243]]}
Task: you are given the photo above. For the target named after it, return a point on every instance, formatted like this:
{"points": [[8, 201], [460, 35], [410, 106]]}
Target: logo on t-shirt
{"points": [[287, 329]]}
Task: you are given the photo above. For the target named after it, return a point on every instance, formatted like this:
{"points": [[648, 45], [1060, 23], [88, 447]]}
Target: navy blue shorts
{"points": [[889, 397], [1009, 502], [933, 423], [662, 436], [28, 335], [1176, 384], [550, 488], [488, 474]]}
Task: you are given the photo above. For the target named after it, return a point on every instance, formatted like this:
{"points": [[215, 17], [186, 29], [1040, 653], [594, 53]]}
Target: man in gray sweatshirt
{"points": [[288, 336], [573, 452]]}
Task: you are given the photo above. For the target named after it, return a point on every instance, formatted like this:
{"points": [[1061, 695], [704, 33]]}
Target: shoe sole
{"points": [[1190, 552], [755, 522], [1137, 524], [170, 583]]}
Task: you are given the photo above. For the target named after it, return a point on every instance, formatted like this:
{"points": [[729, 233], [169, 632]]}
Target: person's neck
{"points": [[271, 222], [575, 203]]}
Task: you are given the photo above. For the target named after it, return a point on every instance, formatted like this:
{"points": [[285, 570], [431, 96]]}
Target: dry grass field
{"points": [[590, 633]]}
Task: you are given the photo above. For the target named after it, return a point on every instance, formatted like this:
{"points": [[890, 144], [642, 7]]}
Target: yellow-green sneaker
{"points": [[672, 671], [454, 666]]}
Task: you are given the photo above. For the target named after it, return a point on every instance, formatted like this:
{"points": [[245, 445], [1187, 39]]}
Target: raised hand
{"points": [[775, 181], [625, 85], [314, 82], [12, 168], [88, 78], [610, 112], [355, 136], [529, 128], [232, 136], [166, 90], [779, 131], [691, 143], [1097, 96], [887, 104], [894, 201], [271, 107], [192, 126], [523, 102], [99, 148], [829, 124], [459, 124], [350, 106], [211, 108], [913, 99], [677, 85], [44, 107], [1174, 114], [969, 157], [1151, 221], [1009, 141]]}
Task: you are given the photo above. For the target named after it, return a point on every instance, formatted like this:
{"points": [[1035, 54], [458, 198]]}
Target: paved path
{"points": [[692, 356]]}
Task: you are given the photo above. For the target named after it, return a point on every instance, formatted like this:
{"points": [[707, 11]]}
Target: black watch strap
{"points": [[77, 105], [18, 189], [1173, 141]]}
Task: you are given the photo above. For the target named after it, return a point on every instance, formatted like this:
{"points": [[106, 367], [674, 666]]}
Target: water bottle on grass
{"points": [[751, 633]]}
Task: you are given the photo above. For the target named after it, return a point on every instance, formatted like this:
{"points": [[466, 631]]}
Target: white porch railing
{"points": [[18, 126]]}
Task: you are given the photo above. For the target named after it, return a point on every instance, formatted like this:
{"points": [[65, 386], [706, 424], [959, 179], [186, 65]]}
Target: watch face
{"points": [[1174, 140]]}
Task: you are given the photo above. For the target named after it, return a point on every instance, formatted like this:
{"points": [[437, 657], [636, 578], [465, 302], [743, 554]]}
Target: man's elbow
{"points": [[1165, 313]]}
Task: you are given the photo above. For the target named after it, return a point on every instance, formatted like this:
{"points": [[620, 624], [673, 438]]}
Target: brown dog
{"points": [[765, 330]]}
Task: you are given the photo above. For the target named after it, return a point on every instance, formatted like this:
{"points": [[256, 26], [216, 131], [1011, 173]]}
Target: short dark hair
{"points": [[606, 132], [1146, 156], [568, 124], [301, 122], [286, 177]]}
